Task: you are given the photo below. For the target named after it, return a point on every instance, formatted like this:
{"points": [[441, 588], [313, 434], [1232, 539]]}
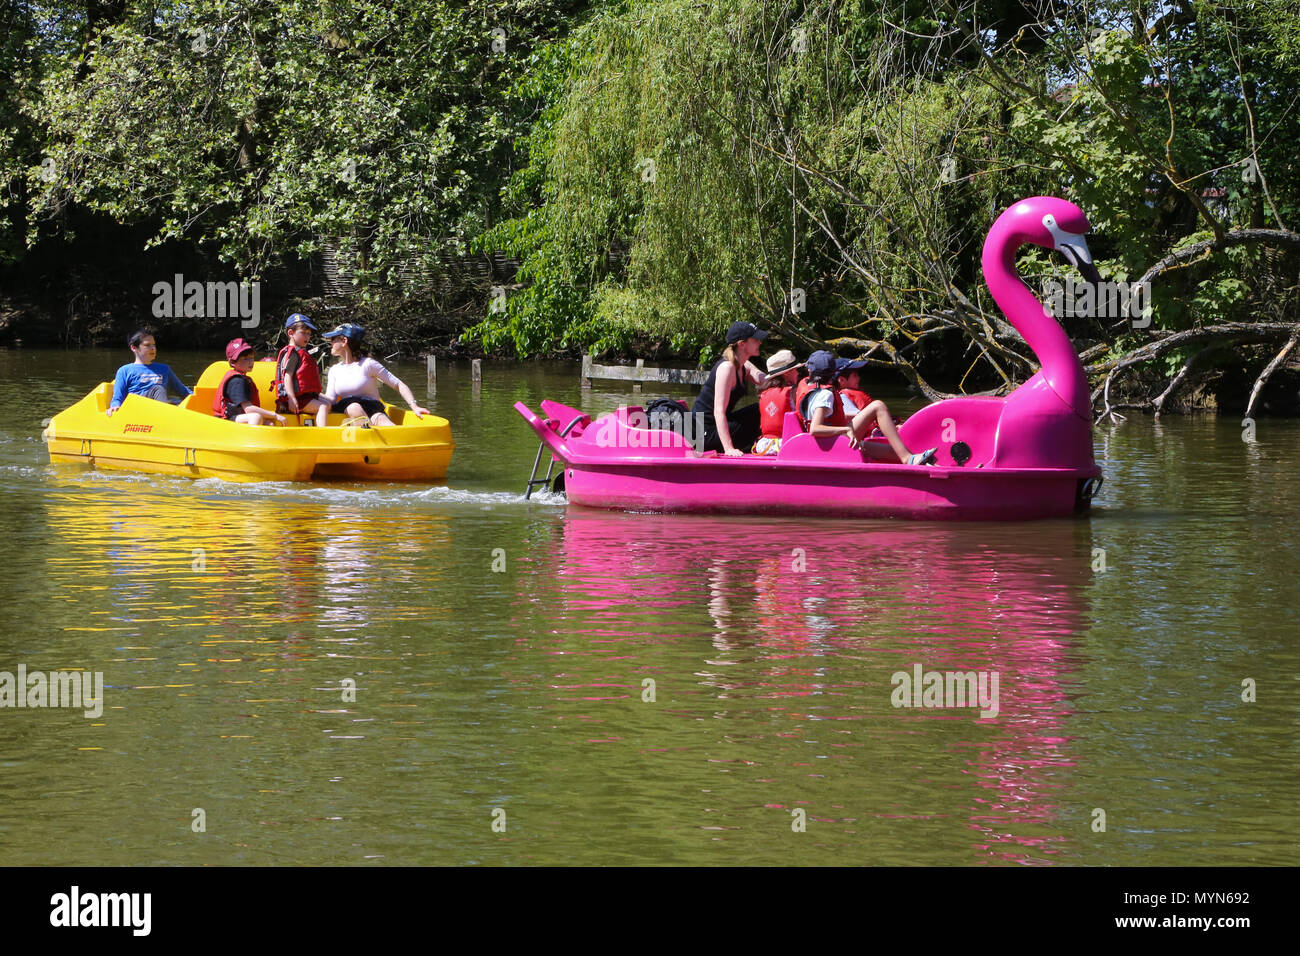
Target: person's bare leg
{"points": [[878, 415], [878, 452]]}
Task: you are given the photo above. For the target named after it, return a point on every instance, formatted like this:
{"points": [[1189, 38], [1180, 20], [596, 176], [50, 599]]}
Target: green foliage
{"points": [[660, 181], [1166, 130], [381, 129], [662, 168]]}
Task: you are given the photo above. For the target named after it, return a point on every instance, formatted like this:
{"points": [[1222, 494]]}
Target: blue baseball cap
{"points": [[848, 365], [297, 317], [821, 364], [349, 330]]}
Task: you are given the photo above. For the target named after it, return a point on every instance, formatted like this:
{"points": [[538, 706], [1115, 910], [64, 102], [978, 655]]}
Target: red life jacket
{"points": [[806, 388], [306, 379], [219, 404], [857, 396], [772, 406]]}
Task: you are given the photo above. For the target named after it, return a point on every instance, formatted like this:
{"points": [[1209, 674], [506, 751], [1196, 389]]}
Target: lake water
{"points": [[448, 674]]}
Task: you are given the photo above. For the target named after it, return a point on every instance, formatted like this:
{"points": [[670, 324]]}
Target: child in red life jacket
{"points": [[774, 400], [297, 378], [236, 399], [821, 409], [848, 381]]}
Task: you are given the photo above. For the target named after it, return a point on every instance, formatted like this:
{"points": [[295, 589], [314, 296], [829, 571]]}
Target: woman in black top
{"points": [[726, 429]]}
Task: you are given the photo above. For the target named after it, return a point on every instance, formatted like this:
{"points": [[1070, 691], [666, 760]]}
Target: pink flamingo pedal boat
{"points": [[1025, 456]]}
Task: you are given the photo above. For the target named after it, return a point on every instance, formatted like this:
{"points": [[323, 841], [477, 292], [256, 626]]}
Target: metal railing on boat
{"points": [[533, 480]]}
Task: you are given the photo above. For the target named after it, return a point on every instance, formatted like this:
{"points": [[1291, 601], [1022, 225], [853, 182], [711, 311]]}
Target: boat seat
{"points": [[802, 446], [627, 427], [790, 427], [200, 400]]}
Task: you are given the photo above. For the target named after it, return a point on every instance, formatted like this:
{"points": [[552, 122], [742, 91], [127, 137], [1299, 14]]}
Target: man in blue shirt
{"points": [[144, 376]]}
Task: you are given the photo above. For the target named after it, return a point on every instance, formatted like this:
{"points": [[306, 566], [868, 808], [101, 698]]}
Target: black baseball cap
{"points": [[744, 330]]}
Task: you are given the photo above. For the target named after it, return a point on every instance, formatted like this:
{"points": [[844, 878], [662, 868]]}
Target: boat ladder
{"points": [[533, 480]]}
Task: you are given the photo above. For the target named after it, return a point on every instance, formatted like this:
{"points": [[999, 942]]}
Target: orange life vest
{"points": [[219, 404], [857, 396], [306, 380], [772, 406], [806, 388]]}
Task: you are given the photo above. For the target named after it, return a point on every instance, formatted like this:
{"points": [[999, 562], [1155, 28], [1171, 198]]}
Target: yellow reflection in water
{"points": [[141, 561]]}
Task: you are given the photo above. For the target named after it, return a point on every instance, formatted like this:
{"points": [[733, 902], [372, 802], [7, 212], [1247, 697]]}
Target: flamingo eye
{"points": [[1049, 221]]}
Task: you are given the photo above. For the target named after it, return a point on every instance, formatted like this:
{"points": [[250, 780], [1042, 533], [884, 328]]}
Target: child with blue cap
{"points": [[823, 414], [297, 378]]}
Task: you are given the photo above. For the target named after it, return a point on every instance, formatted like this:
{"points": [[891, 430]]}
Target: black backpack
{"points": [[668, 414]]}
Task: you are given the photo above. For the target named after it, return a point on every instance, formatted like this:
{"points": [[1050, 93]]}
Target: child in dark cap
{"points": [[820, 408]]}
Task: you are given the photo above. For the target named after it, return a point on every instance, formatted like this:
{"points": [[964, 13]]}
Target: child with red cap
{"points": [[237, 399]]}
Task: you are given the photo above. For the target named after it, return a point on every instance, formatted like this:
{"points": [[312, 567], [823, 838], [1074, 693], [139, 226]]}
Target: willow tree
{"points": [[814, 167], [644, 209], [831, 168]]}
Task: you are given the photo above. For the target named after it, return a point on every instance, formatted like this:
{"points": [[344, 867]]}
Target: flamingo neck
{"points": [[1061, 368]]}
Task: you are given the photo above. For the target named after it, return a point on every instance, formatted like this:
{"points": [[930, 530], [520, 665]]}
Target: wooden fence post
{"points": [[640, 374]]}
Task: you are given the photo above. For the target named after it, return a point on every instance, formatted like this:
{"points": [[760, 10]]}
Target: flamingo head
{"points": [[1051, 223]]}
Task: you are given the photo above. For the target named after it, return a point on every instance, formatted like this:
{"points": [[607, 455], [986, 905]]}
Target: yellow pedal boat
{"points": [[187, 439]]}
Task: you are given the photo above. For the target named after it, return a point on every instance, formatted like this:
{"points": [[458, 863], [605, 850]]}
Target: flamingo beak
{"points": [[1075, 250]]}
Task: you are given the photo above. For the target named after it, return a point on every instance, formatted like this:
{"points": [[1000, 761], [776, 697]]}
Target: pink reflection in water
{"points": [[797, 602]]}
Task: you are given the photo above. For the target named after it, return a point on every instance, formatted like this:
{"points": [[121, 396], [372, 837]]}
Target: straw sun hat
{"points": [[782, 362]]}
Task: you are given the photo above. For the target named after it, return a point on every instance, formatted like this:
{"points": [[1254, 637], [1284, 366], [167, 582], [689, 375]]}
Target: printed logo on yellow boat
{"points": [[136, 428]]}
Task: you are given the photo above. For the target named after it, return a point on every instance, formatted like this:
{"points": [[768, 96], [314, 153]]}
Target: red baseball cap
{"points": [[236, 348]]}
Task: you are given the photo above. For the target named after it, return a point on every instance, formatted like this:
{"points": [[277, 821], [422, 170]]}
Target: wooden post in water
{"points": [[476, 376], [636, 384], [431, 367], [586, 371]]}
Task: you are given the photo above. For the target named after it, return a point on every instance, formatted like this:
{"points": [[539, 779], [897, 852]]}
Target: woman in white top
{"points": [[352, 388]]}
